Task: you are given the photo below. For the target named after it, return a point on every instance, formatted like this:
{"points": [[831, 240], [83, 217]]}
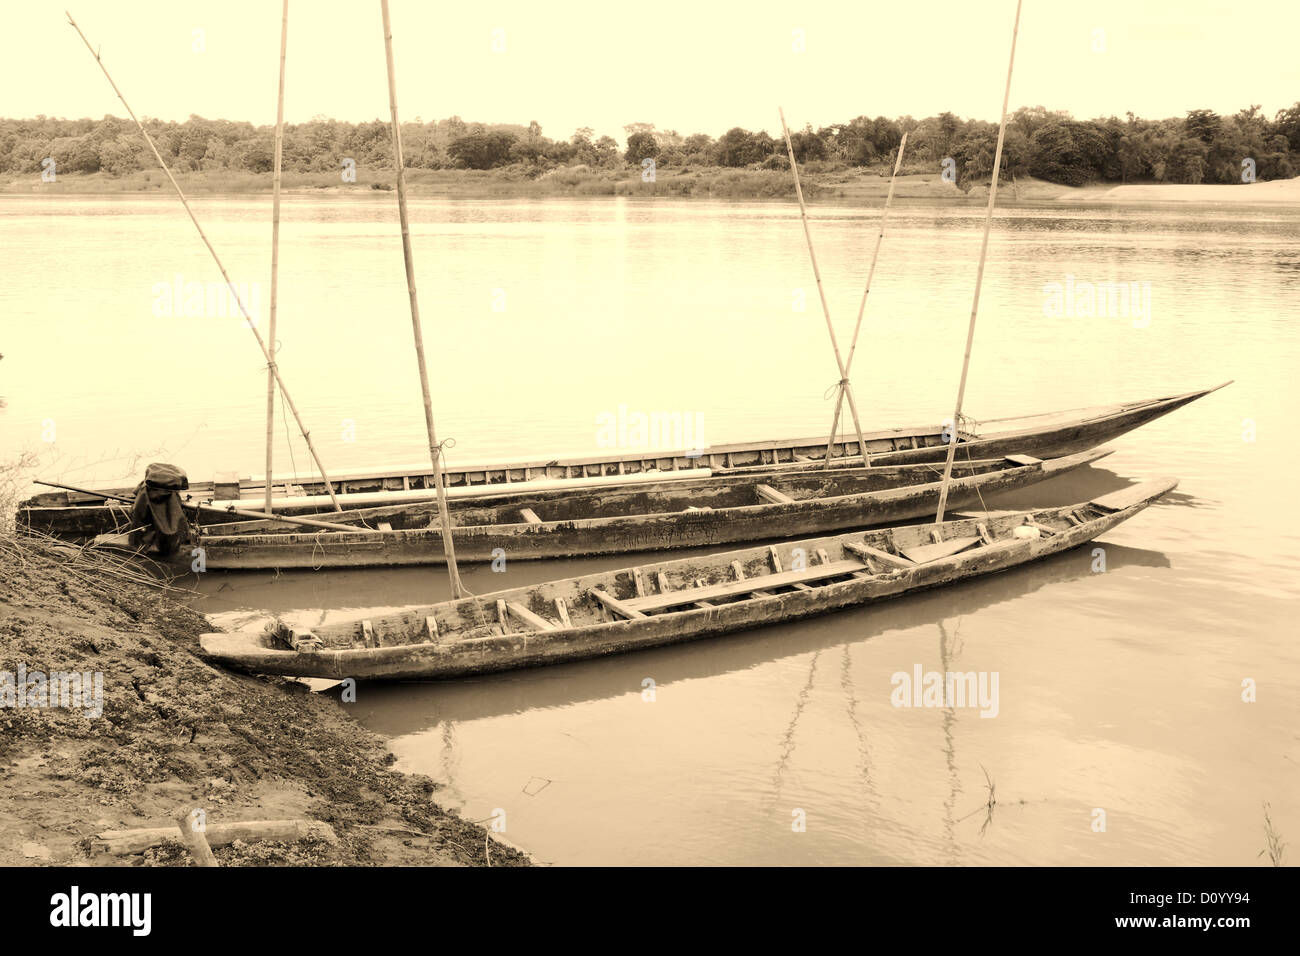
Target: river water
{"points": [[1121, 735]]}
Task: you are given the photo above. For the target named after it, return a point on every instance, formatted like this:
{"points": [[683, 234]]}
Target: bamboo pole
{"points": [[866, 291], [275, 258], [435, 451], [835, 345], [306, 435], [979, 275]]}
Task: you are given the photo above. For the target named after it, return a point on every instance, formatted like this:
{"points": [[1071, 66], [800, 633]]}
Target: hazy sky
{"points": [[693, 67]]}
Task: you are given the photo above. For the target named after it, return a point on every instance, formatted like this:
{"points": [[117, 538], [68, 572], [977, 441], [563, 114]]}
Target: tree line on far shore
{"points": [[1201, 147]]}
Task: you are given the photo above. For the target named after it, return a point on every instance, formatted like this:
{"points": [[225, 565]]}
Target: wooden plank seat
{"points": [[658, 602]]}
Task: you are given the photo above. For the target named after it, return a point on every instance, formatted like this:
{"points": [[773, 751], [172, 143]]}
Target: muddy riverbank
{"points": [[176, 733]]}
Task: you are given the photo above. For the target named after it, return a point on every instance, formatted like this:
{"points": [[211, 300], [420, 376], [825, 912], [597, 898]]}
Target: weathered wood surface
{"points": [[603, 607], [194, 839], [128, 842]]}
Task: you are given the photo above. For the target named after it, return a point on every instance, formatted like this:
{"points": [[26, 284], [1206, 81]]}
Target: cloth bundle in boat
{"points": [[157, 509]]}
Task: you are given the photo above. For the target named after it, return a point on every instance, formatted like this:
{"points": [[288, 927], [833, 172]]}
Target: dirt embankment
{"points": [[176, 733]]}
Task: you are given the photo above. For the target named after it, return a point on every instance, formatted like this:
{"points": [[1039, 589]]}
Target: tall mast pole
{"points": [[275, 258], [279, 380], [979, 277], [844, 387], [435, 451], [866, 291]]}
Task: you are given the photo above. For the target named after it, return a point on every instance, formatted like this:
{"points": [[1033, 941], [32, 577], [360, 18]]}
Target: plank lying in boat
{"points": [[941, 549], [867, 551], [657, 602]]}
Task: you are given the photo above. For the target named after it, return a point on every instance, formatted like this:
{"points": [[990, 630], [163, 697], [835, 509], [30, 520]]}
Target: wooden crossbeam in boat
{"points": [[755, 586], [867, 551], [503, 617], [699, 583], [638, 579], [770, 494], [385, 526], [983, 529], [774, 558], [368, 634], [431, 630], [739, 572], [1023, 459], [562, 609], [941, 549], [528, 617], [529, 515], [662, 581], [621, 608], [822, 556]]}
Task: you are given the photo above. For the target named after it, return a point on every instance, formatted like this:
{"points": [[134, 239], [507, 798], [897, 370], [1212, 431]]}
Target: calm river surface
{"points": [[1118, 691]]}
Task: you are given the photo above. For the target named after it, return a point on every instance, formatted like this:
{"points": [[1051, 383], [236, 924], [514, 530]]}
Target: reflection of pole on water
{"points": [[448, 760], [946, 647], [787, 740], [864, 751]]}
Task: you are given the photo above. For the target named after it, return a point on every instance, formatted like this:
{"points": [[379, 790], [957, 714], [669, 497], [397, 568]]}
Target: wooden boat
{"points": [[686, 514], [674, 601], [80, 517]]}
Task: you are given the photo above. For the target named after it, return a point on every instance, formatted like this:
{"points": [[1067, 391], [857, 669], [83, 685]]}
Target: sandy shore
{"points": [[176, 733], [1276, 191]]}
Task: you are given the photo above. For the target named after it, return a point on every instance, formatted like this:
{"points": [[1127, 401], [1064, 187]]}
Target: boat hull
{"points": [[614, 535], [79, 517], [463, 658]]}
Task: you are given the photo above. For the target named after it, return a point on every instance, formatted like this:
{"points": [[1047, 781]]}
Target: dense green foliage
{"points": [[1200, 147]]}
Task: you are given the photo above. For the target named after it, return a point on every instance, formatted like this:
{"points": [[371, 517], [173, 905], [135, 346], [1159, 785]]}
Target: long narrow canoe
{"points": [[677, 515], [1051, 435], [674, 601]]}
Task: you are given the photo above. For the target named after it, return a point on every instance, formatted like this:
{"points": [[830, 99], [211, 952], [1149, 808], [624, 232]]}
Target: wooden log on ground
{"points": [[128, 842], [194, 839]]}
